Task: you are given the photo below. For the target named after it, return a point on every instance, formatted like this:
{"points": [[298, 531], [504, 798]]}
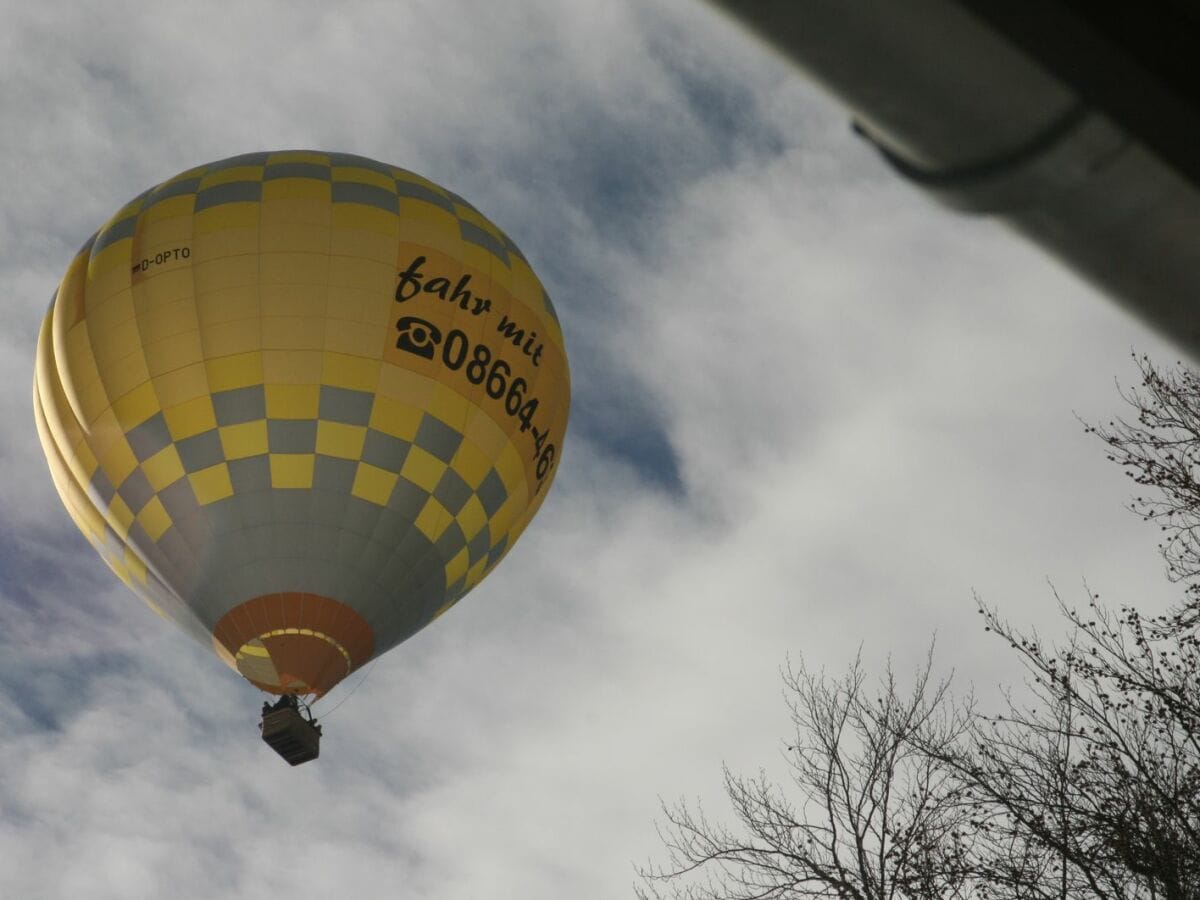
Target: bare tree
{"points": [[1085, 786], [1088, 786], [1160, 449], [875, 817]]}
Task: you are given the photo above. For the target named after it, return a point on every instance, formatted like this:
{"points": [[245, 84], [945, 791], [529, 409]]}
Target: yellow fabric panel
{"points": [[164, 468], [471, 463], [211, 484], [103, 317], [229, 338], [373, 484], [377, 230], [457, 567], [245, 439], [292, 470], [360, 175], [337, 439], [230, 372], [136, 407], [115, 344], [511, 467], [154, 519], [292, 401], [433, 519], [422, 468], [93, 400], [472, 517], [401, 384], [171, 217], [298, 156], [125, 374], [177, 386], [395, 418], [476, 257], [167, 319], [108, 271], [226, 272], [292, 366], [80, 361], [449, 406], [285, 189], [310, 300], [163, 284], [233, 173], [351, 372], [485, 433], [282, 234], [104, 432], [190, 418], [227, 304], [357, 339], [174, 353], [294, 268], [475, 574], [226, 230], [365, 263], [293, 333], [120, 515]]}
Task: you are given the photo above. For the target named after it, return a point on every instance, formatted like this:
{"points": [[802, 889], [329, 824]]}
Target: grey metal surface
{"points": [[958, 108]]}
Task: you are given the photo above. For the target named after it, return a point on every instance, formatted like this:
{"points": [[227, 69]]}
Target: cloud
{"points": [[811, 412]]}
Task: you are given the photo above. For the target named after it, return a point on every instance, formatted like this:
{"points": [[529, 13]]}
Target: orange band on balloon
{"points": [[294, 642]]}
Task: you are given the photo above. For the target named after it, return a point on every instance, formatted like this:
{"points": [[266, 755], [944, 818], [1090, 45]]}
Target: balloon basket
{"points": [[292, 736]]}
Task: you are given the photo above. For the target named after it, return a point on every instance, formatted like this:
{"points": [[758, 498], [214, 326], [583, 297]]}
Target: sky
{"points": [[813, 413]]}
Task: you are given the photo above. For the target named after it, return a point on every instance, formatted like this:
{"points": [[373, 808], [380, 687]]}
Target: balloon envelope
{"points": [[301, 403]]}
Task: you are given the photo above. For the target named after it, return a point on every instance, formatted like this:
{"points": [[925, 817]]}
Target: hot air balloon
{"points": [[301, 403]]}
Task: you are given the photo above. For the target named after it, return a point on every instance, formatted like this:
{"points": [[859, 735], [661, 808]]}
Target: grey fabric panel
{"points": [[332, 473], [250, 474], [473, 234], [343, 405], [549, 306], [179, 500], [116, 232], [102, 487], [452, 492], [328, 508], [366, 194], [149, 438], [463, 202], [361, 162], [296, 170], [136, 490], [176, 189], [451, 542], [497, 551], [361, 517], [492, 493], [292, 435], [196, 531], [478, 546], [438, 438], [245, 404], [258, 158], [384, 451], [407, 499], [421, 192], [231, 192], [200, 451], [290, 506]]}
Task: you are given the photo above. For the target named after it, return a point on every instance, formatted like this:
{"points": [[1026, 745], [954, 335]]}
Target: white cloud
{"points": [[869, 402]]}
